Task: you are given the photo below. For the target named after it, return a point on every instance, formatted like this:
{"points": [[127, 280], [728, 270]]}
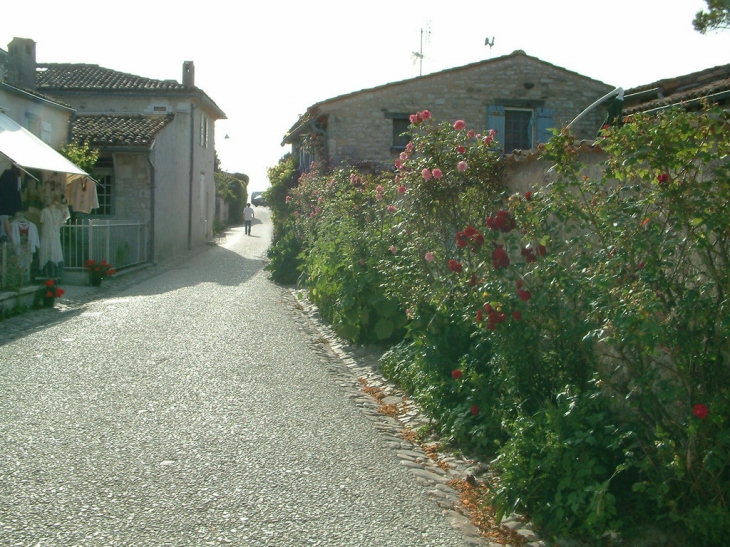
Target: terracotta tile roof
{"points": [[102, 130], [70, 77], [713, 83]]}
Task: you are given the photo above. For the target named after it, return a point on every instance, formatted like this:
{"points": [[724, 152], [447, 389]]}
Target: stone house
{"points": [[520, 96], [525, 170], [157, 144]]}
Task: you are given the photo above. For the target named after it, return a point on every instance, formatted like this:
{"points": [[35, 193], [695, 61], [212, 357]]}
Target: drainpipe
{"points": [[190, 185], [153, 205]]}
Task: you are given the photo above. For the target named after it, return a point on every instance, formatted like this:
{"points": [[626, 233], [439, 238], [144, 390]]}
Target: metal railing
{"points": [[122, 243]]}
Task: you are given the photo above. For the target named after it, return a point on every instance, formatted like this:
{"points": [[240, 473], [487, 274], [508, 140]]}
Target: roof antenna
{"points": [[490, 44], [419, 54]]}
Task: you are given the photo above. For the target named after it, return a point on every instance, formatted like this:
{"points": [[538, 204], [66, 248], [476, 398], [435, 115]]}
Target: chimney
{"points": [[21, 63], [188, 78]]}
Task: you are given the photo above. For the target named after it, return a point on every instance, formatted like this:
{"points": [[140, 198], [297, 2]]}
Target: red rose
{"points": [[517, 316], [474, 410], [456, 374], [49, 282], [455, 266], [700, 410], [528, 196]]}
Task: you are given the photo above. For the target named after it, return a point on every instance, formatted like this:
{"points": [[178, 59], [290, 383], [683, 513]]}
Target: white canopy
{"points": [[26, 150]]}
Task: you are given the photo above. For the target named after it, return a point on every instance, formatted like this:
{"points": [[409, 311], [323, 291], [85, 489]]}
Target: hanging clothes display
{"points": [[25, 232], [51, 261], [10, 200], [81, 195], [26, 242]]}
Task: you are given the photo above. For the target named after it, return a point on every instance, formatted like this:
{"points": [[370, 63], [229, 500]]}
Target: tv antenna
{"points": [[418, 55], [490, 44]]}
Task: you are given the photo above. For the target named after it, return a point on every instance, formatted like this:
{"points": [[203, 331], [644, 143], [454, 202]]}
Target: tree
{"points": [[717, 17], [82, 155]]}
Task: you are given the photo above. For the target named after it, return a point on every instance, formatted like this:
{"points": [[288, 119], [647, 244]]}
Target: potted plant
{"points": [[49, 292], [98, 271]]}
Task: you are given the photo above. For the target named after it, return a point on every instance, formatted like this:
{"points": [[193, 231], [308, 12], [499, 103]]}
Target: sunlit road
{"points": [[192, 410]]}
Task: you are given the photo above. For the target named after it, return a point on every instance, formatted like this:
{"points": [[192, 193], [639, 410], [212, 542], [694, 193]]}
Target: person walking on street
{"points": [[248, 216]]}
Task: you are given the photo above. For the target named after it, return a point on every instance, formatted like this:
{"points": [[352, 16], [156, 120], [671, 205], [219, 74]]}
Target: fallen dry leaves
{"points": [[474, 494]]}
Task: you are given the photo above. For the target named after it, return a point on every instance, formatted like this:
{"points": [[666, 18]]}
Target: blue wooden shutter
{"points": [[544, 124], [495, 120]]}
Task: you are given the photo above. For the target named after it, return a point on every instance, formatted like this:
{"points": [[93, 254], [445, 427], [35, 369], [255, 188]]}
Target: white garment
{"points": [[25, 230], [81, 195], [52, 218]]}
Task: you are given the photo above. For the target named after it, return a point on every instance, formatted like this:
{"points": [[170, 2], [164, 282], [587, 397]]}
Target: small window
{"points": [[104, 174], [517, 130], [401, 137], [159, 109], [104, 193], [204, 131]]}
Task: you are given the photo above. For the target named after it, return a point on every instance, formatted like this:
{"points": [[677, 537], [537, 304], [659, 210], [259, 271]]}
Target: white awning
{"points": [[26, 150]]}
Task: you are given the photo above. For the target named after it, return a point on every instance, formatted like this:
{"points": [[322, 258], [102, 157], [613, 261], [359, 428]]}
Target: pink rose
{"points": [[429, 256], [402, 189], [462, 166], [437, 174], [459, 125], [392, 249], [426, 174], [425, 114]]}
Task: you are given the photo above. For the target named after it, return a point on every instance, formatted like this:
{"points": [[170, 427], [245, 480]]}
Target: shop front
{"points": [[37, 185]]}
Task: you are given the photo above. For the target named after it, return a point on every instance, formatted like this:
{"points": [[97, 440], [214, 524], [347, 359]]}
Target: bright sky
{"points": [[265, 62]]}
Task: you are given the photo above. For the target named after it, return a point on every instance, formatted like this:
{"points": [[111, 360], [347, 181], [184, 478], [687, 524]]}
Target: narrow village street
{"points": [[189, 409]]}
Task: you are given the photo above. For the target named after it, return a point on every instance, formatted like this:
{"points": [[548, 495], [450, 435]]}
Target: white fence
{"points": [[122, 243]]}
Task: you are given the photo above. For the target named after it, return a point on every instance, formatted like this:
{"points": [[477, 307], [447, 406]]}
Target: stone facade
{"points": [[359, 127]]}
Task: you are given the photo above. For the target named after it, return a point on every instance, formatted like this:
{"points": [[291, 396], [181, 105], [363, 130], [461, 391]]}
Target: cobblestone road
{"points": [[199, 406]]}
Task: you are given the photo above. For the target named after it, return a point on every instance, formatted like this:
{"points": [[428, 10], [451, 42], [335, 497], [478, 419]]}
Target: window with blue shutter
{"points": [[544, 124], [520, 128]]}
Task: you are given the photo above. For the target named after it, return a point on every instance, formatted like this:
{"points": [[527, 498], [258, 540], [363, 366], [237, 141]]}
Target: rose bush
{"points": [[578, 331]]}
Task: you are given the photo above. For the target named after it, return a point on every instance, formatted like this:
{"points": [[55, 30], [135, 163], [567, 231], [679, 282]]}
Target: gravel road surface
{"points": [[191, 409]]}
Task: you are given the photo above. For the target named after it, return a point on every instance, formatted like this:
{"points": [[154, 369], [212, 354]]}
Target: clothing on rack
{"points": [[50, 257], [81, 195], [10, 200], [25, 232]]}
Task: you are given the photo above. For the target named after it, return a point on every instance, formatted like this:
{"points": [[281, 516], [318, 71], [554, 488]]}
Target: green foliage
{"points": [[82, 155], [347, 232], [282, 178], [568, 466], [284, 260], [716, 17], [234, 191]]}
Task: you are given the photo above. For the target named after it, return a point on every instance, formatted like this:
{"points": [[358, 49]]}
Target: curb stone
{"points": [[358, 363]]}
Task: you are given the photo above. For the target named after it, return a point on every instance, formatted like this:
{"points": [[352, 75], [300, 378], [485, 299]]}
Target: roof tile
{"points": [[102, 130]]}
